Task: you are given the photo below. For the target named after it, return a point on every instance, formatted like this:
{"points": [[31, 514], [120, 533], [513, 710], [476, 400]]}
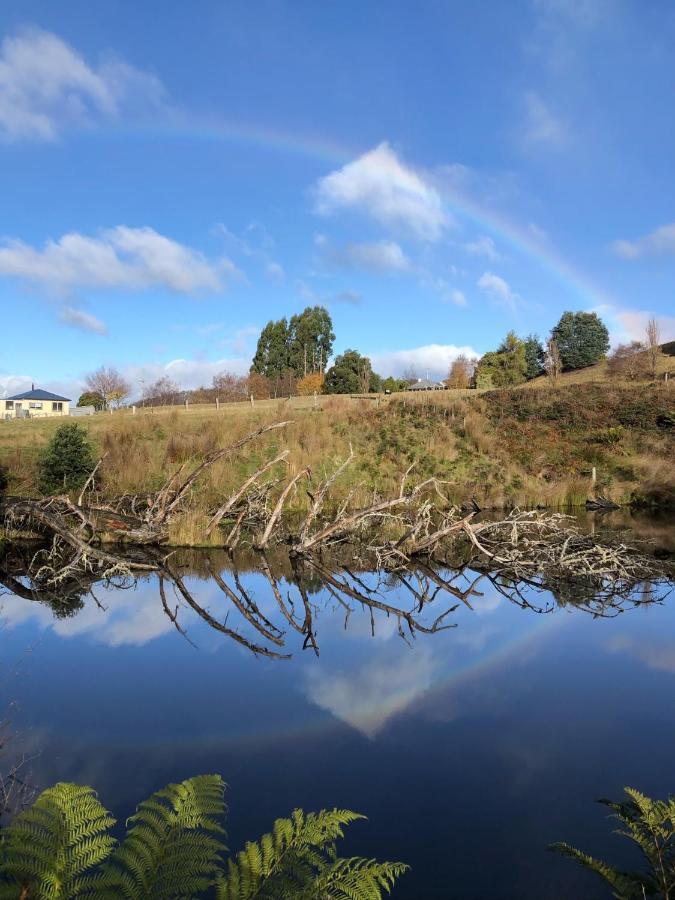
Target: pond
{"points": [[470, 747]]}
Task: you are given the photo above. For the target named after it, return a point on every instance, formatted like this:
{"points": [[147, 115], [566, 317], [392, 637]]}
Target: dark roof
{"points": [[38, 395], [425, 385]]}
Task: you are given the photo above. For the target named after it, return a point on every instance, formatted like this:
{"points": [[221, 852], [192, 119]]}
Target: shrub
{"points": [[67, 461]]}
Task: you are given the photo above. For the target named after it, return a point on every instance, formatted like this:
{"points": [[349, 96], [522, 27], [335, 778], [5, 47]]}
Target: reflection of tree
{"points": [[421, 597]]}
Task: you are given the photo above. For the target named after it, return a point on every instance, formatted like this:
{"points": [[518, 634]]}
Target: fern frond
{"points": [[357, 879], [49, 847], [173, 848], [290, 861], [626, 885]]}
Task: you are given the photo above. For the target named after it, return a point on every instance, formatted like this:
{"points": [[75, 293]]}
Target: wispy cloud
{"points": [[45, 86], [660, 242], [340, 298], [541, 126], [120, 257], [483, 246], [374, 256], [82, 320], [498, 289], [379, 185]]}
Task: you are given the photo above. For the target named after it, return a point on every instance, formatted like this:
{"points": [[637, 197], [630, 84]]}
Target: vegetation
{"points": [[351, 373], [302, 345], [61, 848], [67, 461], [109, 384], [582, 339], [91, 398], [650, 824]]}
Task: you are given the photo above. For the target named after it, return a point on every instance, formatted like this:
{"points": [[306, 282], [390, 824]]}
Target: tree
{"points": [[91, 398], [310, 340], [375, 383], [394, 384], [461, 372], [350, 374], [61, 847], [229, 387], [410, 375], [582, 339], [162, 392], [271, 355], [653, 346], [67, 461], [534, 357], [505, 366], [552, 362], [310, 384], [257, 386], [629, 362], [110, 384]]}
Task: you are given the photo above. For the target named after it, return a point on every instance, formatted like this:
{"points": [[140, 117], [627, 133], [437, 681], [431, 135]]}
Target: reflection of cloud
{"points": [[656, 655], [130, 618], [368, 696]]}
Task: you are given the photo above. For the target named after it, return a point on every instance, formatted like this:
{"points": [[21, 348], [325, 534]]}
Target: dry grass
{"points": [[505, 448]]}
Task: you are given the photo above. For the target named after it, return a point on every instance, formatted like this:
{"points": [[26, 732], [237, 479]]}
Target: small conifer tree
{"points": [[67, 461]]}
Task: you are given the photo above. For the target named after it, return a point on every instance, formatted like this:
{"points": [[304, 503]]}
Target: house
{"points": [[34, 404], [423, 384]]}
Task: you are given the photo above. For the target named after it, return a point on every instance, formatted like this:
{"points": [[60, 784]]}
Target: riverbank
{"points": [[527, 448]]}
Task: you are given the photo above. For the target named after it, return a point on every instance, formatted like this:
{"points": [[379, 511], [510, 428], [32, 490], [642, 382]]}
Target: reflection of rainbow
{"points": [[332, 154]]}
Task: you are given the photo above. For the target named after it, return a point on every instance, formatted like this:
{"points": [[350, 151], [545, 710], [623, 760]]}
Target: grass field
{"points": [[508, 447]]}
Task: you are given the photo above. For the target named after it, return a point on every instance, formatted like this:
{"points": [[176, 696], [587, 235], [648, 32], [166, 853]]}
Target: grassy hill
{"points": [[522, 446]]}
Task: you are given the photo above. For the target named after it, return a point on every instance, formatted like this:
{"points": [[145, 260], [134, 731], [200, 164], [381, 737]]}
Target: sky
{"points": [[173, 176]]}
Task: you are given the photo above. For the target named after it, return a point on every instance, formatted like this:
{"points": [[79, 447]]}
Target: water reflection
{"points": [[275, 604]]}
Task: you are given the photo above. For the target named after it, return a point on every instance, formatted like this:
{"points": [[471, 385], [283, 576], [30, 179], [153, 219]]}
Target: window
{"points": [[34, 404], [56, 407], [9, 404]]}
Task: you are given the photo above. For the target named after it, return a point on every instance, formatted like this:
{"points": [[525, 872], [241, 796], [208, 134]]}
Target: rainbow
{"points": [[331, 153]]}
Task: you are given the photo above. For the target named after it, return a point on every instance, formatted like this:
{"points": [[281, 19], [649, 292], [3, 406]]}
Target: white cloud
{"points": [[381, 186], [275, 270], [187, 373], [376, 256], [483, 246], [660, 242], [497, 288], [368, 696], [443, 288], [542, 127], [82, 320], [435, 359], [458, 297], [45, 86], [119, 257]]}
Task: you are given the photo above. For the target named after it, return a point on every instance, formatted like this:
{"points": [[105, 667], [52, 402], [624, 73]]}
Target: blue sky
{"points": [[174, 175]]}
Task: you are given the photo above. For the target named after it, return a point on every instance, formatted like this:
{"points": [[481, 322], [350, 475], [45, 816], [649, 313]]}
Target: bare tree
{"points": [[163, 392], [629, 362], [110, 384], [410, 375], [552, 362], [653, 345]]}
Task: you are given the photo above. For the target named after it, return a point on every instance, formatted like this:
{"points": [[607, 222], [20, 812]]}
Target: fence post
{"points": [[251, 399], [593, 476], [217, 403], [186, 403], [133, 410]]}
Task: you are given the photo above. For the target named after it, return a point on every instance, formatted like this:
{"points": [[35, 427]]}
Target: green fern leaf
{"points": [[173, 848], [49, 847]]}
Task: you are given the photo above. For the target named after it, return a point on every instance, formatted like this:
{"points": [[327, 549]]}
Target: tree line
{"points": [[292, 355]]}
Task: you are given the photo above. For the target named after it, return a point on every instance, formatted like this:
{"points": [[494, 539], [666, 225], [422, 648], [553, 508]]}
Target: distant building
{"points": [[423, 384], [34, 404]]}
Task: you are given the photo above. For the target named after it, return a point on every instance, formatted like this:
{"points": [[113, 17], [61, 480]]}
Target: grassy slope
{"points": [[509, 447]]}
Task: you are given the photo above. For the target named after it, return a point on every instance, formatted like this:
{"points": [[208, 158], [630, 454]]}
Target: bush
{"points": [[67, 461]]}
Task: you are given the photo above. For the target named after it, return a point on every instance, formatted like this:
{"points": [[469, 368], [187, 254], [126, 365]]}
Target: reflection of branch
{"points": [[218, 626], [252, 613]]}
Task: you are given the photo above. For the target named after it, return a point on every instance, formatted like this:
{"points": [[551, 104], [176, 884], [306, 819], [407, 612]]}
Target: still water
{"points": [[470, 749]]}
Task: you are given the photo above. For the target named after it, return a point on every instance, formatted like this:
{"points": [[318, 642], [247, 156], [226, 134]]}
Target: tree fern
{"points": [[173, 848], [298, 860], [50, 850], [651, 825]]}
